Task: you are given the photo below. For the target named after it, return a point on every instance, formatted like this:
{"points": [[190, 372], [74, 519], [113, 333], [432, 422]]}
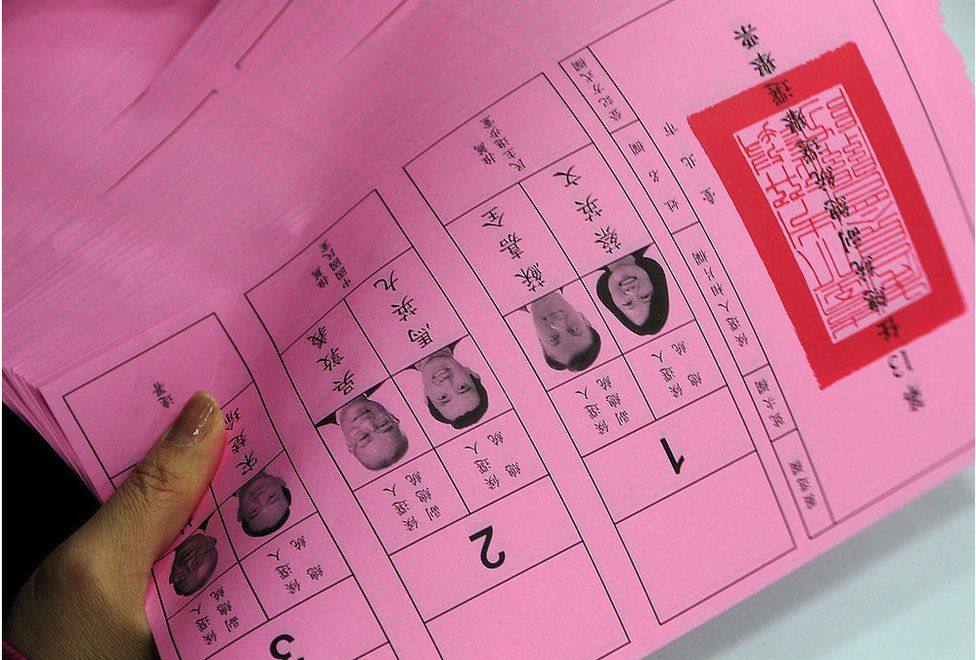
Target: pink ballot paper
{"points": [[623, 331]]}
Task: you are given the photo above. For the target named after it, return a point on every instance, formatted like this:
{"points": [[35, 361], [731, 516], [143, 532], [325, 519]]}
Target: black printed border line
{"points": [[413, 413], [955, 453], [630, 514], [315, 240], [571, 279], [502, 387], [302, 482], [785, 430], [342, 300], [240, 560], [577, 375], [524, 178], [462, 499], [449, 440], [711, 244], [578, 276], [466, 599], [118, 366], [728, 278], [218, 509], [462, 517], [433, 449], [305, 600], [509, 578], [312, 419], [223, 406], [579, 279], [931, 126], [274, 428], [735, 403], [691, 402], [475, 116]]}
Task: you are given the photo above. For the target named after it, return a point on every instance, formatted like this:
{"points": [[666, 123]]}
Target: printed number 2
{"points": [[896, 362], [486, 535]]}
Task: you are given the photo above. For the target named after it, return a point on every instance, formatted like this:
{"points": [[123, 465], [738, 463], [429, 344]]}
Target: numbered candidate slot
{"points": [[337, 623], [650, 464], [558, 609], [700, 540], [468, 558]]}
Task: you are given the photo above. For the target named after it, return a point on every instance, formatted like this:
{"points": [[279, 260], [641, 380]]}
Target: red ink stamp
{"points": [[818, 173]]}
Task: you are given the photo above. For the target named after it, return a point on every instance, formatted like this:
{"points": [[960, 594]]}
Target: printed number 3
{"points": [[486, 534], [280, 653]]}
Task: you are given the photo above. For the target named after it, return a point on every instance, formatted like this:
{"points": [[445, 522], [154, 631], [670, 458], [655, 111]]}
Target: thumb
{"points": [[140, 520]]}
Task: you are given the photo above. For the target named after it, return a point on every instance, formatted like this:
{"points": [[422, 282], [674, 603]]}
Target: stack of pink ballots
{"points": [[564, 328]]}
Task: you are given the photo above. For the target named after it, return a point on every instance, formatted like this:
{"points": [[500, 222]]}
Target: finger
{"points": [[152, 505]]}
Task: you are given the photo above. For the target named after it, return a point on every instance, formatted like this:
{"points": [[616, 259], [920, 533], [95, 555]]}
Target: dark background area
{"points": [[43, 503]]}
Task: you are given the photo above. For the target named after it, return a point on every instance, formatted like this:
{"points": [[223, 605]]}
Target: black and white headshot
{"points": [[263, 504], [568, 340], [453, 391], [634, 289], [194, 562], [371, 432]]}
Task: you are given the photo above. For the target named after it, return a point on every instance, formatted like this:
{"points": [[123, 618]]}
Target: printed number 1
{"points": [[486, 535], [676, 463]]}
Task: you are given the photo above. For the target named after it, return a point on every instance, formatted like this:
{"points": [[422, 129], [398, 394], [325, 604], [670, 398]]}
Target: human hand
{"points": [[87, 599]]}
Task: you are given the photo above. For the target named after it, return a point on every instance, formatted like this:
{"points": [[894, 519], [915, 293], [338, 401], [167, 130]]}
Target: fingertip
{"points": [[196, 421]]}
